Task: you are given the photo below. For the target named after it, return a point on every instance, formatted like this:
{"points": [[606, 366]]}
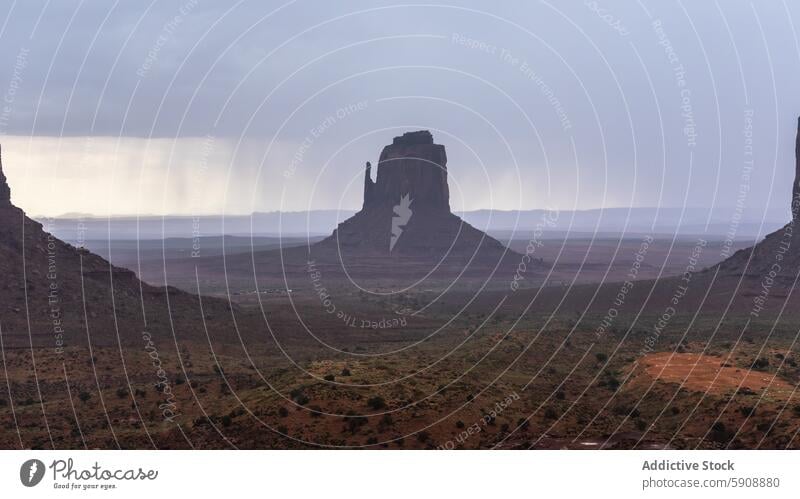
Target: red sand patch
{"points": [[706, 373]]}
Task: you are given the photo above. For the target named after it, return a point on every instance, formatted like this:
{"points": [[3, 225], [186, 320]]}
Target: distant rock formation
{"points": [[796, 185], [777, 257], [406, 209], [54, 294], [5, 191], [412, 165]]}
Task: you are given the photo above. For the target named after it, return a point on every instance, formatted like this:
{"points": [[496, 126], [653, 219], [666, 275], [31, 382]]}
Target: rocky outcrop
{"points": [[796, 185], [777, 257], [406, 209], [5, 191], [411, 165], [54, 294]]}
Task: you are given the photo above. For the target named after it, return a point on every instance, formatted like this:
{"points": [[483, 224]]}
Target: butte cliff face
{"points": [[5, 191], [412, 165], [778, 255], [406, 209]]}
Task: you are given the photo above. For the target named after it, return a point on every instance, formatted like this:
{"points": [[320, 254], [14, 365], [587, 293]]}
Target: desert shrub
{"points": [[84, 396], [550, 413], [372, 440], [121, 393], [601, 357], [3, 402], [387, 420], [179, 380], [423, 436], [299, 396], [613, 383], [523, 424], [761, 363], [675, 410], [719, 433], [355, 422], [377, 403], [747, 411], [560, 395], [329, 377], [459, 424], [283, 412], [226, 421], [316, 411]]}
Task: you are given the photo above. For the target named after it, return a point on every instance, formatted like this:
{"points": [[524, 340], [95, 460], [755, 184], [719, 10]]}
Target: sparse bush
{"points": [[121, 393], [179, 380], [550, 413], [719, 433], [84, 396], [601, 357], [459, 424], [355, 422], [423, 436], [386, 420], [761, 363], [376, 403], [282, 412], [345, 372], [226, 421], [560, 395], [748, 411], [329, 377]]}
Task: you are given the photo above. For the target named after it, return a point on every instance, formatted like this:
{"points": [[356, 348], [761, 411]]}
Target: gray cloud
{"points": [[510, 90]]}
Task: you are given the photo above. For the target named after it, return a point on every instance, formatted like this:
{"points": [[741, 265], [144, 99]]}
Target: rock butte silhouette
{"points": [[779, 252], [56, 295], [411, 169]]}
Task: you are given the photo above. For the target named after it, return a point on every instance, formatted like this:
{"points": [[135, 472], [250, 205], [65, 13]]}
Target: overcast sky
{"points": [[196, 106]]}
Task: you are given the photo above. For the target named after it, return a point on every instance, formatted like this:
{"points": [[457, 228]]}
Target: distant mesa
{"points": [[406, 209]]}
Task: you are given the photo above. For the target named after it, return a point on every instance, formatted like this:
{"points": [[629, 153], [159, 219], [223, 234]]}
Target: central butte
{"points": [[406, 210]]}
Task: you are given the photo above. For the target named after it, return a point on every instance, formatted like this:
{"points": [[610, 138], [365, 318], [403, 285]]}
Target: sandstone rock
{"points": [[5, 191], [406, 210]]}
